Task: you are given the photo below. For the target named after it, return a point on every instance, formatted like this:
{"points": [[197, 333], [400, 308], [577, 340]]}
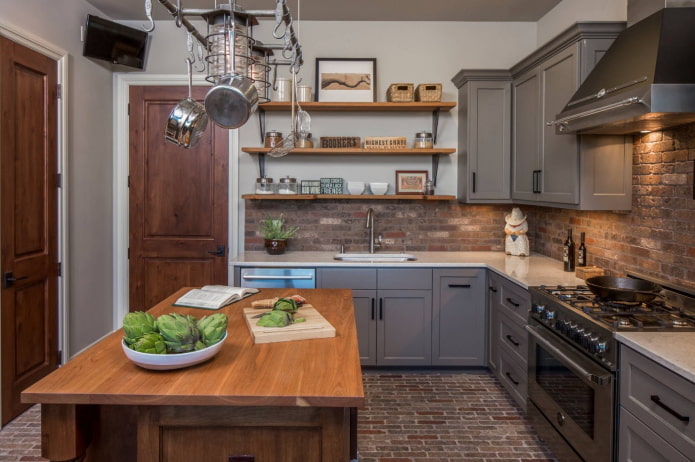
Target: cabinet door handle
{"points": [[473, 182], [373, 308], [657, 400], [381, 309], [511, 378], [511, 339], [460, 286], [513, 303]]}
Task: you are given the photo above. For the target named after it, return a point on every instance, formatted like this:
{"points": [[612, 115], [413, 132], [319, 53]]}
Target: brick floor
{"points": [[413, 416]]}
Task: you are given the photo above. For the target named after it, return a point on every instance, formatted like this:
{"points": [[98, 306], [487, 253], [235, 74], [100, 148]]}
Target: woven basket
{"points": [[428, 92], [385, 142], [400, 93]]}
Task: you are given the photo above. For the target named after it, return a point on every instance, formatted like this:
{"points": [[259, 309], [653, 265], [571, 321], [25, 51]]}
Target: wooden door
{"points": [[178, 201], [28, 221]]}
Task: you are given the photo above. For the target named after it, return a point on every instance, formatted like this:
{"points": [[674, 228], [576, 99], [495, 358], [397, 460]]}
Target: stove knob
{"points": [[559, 324], [577, 334], [567, 328], [538, 309], [548, 315], [593, 345], [586, 340], [600, 346]]}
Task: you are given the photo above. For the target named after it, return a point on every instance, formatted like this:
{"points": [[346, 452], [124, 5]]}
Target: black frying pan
{"points": [[623, 289]]}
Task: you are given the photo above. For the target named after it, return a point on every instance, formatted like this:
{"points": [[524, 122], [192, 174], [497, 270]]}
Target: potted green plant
{"points": [[276, 234]]}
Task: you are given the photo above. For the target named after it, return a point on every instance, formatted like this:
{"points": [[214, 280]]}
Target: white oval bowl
{"points": [[355, 187], [174, 360], [379, 188]]}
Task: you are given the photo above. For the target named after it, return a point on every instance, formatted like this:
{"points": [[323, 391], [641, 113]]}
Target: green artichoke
{"points": [[136, 324], [286, 304], [212, 328], [275, 318], [151, 342], [180, 332]]}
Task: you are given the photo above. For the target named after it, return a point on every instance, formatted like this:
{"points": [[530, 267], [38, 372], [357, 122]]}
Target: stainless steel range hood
{"points": [[644, 82]]}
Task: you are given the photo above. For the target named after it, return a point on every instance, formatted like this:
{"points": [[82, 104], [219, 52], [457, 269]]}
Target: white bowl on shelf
{"points": [[379, 188], [172, 360], [355, 187]]}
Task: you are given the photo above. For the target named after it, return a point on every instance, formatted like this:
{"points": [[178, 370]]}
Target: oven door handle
{"points": [[600, 380]]}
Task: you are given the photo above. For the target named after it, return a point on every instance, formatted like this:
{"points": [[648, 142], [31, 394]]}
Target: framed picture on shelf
{"points": [[346, 79], [410, 181]]}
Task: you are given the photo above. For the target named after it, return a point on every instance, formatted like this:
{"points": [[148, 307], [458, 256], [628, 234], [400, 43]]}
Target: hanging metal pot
{"points": [[231, 102], [188, 119]]}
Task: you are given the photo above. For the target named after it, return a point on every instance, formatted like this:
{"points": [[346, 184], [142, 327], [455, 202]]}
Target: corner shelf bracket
{"points": [[261, 123], [435, 168], [435, 124], [261, 164]]}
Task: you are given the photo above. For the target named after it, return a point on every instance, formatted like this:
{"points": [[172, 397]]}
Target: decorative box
{"points": [[331, 186], [428, 92], [310, 187], [400, 93], [340, 141], [385, 142]]}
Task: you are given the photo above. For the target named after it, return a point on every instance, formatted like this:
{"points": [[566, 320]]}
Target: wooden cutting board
{"points": [[315, 326]]}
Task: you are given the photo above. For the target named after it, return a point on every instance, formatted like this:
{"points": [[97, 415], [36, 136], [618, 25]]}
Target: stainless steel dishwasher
{"points": [[301, 278]]}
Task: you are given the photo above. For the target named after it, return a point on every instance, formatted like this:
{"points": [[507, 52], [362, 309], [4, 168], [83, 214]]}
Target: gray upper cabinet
{"points": [[484, 145], [565, 170]]}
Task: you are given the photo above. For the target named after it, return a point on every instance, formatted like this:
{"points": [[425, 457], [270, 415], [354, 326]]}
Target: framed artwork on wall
{"points": [[410, 181], [346, 79]]}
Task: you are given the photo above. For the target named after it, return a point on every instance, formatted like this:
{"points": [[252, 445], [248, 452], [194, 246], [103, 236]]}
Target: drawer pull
{"points": [[373, 311], [509, 376], [493, 289], [511, 339], [513, 303], [460, 286], [657, 400]]}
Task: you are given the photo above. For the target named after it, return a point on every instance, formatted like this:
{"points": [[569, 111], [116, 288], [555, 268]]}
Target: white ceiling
{"points": [[356, 10]]}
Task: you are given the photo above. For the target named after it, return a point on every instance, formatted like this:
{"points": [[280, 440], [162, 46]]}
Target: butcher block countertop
{"points": [[318, 372]]}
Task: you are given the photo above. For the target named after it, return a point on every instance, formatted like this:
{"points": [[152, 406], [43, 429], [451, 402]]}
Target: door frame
{"points": [[122, 83], [29, 40]]}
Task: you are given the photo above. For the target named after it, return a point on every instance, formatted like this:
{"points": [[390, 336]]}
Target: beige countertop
{"points": [[673, 350], [533, 270]]}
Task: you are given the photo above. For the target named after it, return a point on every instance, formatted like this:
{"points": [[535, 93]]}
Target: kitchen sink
{"points": [[374, 257]]}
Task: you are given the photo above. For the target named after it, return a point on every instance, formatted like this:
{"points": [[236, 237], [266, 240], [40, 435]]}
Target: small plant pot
{"points": [[275, 246]]}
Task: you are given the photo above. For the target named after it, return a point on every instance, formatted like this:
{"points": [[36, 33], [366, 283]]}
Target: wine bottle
{"points": [[581, 252], [568, 252]]}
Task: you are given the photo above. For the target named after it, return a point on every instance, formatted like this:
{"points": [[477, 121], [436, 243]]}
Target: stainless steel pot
{"points": [[187, 121], [231, 102], [623, 289]]}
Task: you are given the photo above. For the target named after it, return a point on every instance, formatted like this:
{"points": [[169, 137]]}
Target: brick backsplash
{"points": [[656, 237]]}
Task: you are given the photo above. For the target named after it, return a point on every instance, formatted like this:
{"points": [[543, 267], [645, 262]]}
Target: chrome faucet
{"points": [[370, 225]]}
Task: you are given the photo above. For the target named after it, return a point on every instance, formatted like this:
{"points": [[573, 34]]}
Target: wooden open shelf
{"points": [[411, 197], [315, 106], [356, 151]]}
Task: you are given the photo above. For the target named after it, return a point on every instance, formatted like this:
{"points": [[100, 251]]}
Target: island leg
{"points": [[65, 432]]}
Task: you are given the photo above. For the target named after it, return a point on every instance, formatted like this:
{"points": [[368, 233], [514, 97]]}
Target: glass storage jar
{"points": [[287, 186], [304, 141], [423, 140], [265, 185], [272, 138]]}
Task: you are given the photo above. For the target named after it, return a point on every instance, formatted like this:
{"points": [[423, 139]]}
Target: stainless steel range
{"points": [[573, 360]]}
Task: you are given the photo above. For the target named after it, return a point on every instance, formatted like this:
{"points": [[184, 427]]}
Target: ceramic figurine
{"points": [[516, 242]]}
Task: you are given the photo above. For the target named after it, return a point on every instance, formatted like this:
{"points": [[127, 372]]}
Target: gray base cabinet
{"points": [[416, 316], [459, 318], [509, 305], [393, 312], [657, 410]]}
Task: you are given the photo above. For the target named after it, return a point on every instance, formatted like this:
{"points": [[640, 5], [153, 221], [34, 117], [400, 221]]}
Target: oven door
{"points": [[574, 394]]}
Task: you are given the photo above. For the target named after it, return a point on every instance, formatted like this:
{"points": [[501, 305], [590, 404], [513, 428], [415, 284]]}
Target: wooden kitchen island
{"points": [[280, 402]]}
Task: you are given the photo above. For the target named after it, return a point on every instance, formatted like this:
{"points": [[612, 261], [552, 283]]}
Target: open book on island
{"points": [[214, 297]]}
